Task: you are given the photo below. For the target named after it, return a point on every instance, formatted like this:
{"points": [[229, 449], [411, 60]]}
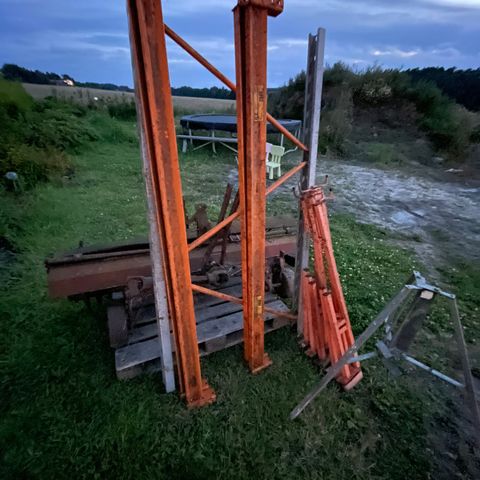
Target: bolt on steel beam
{"points": [[153, 84]]}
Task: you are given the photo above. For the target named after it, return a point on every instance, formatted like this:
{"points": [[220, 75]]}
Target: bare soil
{"points": [[436, 213]]}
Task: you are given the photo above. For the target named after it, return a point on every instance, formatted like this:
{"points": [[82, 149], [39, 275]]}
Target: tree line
{"points": [[463, 86], [14, 72]]}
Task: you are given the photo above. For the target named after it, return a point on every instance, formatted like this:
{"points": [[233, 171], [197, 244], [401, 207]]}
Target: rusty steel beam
{"points": [[285, 177], [219, 226], [226, 81], [153, 83], [239, 301], [250, 26]]}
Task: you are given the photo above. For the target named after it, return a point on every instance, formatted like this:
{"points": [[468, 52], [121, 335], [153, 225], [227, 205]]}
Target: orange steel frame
{"points": [[153, 89]]}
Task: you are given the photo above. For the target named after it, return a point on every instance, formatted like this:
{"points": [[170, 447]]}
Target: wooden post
{"points": [[311, 129]]}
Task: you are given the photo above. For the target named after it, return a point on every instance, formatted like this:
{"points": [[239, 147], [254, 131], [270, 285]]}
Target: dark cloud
{"points": [[89, 39]]}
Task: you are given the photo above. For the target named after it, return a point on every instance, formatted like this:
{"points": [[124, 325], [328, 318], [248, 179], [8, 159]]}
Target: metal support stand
{"points": [[392, 348], [311, 129]]}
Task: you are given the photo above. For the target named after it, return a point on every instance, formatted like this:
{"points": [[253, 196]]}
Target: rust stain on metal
{"points": [[259, 103]]}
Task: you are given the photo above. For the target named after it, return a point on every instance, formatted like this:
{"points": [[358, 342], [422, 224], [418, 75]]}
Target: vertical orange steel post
{"points": [[153, 83], [250, 19]]}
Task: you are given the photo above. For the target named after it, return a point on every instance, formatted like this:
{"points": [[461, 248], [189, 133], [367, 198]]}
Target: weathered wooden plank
{"points": [[148, 330], [148, 350], [143, 333], [228, 324], [205, 349]]}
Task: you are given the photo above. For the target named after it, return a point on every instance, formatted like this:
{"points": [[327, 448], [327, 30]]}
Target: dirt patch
{"points": [[437, 219], [434, 214]]}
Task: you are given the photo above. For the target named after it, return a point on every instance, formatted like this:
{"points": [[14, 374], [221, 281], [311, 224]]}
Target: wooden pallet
{"points": [[219, 326]]}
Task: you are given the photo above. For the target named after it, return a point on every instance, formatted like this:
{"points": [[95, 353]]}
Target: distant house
{"points": [[64, 82]]}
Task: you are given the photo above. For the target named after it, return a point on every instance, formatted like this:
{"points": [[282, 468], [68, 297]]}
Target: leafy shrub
{"points": [[33, 164], [13, 95], [122, 111], [288, 101], [54, 128], [36, 136], [68, 108], [448, 126], [383, 153], [475, 135], [337, 119], [110, 130], [338, 74]]}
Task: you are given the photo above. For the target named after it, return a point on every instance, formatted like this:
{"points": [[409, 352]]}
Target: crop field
{"points": [[86, 96]]}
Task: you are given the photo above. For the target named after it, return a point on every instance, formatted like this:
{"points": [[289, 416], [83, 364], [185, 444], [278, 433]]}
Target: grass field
{"points": [[87, 96], [64, 414]]}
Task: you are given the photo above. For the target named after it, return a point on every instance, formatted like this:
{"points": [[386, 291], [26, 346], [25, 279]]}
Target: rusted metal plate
{"points": [[273, 7], [82, 274], [97, 275]]}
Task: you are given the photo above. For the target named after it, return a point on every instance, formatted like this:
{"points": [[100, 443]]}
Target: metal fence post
{"points": [[311, 129]]}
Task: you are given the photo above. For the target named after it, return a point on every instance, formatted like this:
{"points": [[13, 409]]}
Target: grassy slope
{"points": [[65, 415]]}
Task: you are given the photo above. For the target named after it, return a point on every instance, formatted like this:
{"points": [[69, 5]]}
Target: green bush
{"points": [[14, 95], [123, 111], [110, 130], [288, 101], [336, 123], [475, 135], [383, 153], [448, 125], [57, 129], [35, 137], [33, 164], [338, 74]]}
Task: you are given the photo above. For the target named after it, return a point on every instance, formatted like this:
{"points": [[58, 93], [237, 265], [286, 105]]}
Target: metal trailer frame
{"points": [[164, 190]]}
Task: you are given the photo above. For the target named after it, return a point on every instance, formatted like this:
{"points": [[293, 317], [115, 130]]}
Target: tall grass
{"points": [[36, 137]]}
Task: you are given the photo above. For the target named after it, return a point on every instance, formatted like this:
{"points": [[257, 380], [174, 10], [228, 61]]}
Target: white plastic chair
{"points": [[268, 148], [274, 161]]}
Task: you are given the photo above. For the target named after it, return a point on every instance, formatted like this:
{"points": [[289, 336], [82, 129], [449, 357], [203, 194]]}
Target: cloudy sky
{"points": [[88, 39]]}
